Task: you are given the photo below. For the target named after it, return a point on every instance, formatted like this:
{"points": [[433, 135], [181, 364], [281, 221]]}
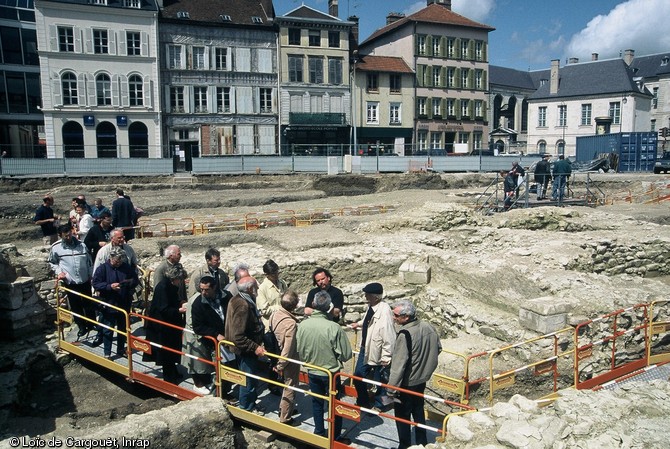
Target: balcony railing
{"points": [[324, 118]]}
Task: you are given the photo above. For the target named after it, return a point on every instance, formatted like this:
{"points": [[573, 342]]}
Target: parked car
{"points": [[663, 163]]}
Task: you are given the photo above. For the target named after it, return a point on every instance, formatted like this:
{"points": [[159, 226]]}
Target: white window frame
{"points": [[133, 43], [200, 99], [587, 110], [395, 113], [223, 100], [542, 117], [372, 116], [175, 56]]}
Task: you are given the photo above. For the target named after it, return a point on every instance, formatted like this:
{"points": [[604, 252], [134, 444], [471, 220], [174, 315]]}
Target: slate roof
{"points": [[240, 11], [432, 13], [592, 78], [503, 76], [146, 5], [652, 66], [392, 64]]}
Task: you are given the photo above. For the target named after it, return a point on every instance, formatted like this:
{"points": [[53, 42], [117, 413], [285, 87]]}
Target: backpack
{"points": [[271, 344]]}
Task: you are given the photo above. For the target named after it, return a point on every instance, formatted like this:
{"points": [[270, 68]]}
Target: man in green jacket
{"points": [[322, 342], [414, 360]]}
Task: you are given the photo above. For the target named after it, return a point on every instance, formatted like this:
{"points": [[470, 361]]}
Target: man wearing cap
{"points": [[542, 176], [323, 343], [377, 340]]}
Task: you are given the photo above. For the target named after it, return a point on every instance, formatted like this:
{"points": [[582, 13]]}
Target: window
{"points": [[221, 58], [66, 39], [421, 106], [334, 39], [437, 82], [451, 47], [465, 77], [199, 58], [132, 3], [223, 99], [615, 112], [479, 79], [136, 90], [421, 45], [183, 15], [335, 70], [395, 83], [542, 147], [373, 112], [315, 69], [654, 101], [451, 77], [11, 52], [463, 137], [295, 69], [479, 109], [586, 114], [200, 99], [562, 115], [437, 107], [451, 108], [314, 38], [465, 108], [479, 51], [69, 84], [225, 18], [30, 55], [477, 140], [100, 42], [373, 82], [256, 19], [294, 36], [133, 43], [653, 126], [177, 99], [316, 104], [465, 45], [265, 95], [394, 114], [103, 88], [422, 143], [174, 57], [435, 141], [542, 116], [436, 46]]}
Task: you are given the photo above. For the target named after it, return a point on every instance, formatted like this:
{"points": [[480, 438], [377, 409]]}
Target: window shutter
{"points": [[429, 75], [56, 86], [88, 41], [77, 39], [420, 73], [485, 85], [115, 90], [147, 91], [53, 37], [144, 44], [112, 42], [123, 44], [81, 89], [125, 99], [429, 107], [233, 104], [457, 78], [90, 90], [429, 45]]}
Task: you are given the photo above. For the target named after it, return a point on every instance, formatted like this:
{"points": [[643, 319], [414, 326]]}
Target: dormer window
{"points": [[98, 2], [256, 19], [665, 60], [225, 18], [183, 15]]}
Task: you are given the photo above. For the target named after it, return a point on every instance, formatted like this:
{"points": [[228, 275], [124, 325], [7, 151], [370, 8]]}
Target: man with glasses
{"points": [[414, 360]]}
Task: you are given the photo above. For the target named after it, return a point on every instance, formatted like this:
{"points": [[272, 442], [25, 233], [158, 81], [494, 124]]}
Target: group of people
{"points": [[395, 347], [83, 216], [543, 174]]}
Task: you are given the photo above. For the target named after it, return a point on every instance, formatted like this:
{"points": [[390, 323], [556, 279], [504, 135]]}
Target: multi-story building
{"points": [[219, 77], [544, 111], [383, 105], [449, 54], [99, 71], [655, 71], [21, 121], [314, 81]]}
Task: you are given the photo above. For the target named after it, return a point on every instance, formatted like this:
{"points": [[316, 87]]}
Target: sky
{"points": [[530, 33]]}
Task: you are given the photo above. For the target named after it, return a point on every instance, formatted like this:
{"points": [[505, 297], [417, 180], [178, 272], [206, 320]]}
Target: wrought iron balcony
{"points": [[324, 118]]}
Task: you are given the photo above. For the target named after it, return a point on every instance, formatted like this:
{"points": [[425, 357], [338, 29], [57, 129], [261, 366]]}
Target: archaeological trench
{"points": [[484, 281]]}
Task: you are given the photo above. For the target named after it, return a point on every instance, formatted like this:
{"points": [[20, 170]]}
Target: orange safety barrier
{"points": [[600, 336]]}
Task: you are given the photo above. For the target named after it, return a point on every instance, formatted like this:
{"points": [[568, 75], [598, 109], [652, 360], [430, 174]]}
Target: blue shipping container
{"points": [[635, 151]]}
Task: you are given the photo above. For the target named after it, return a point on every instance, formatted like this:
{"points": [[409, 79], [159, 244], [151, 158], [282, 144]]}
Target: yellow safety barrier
{"points": [[659, 328]]}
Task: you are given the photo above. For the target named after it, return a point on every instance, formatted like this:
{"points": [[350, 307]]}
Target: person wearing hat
{"points": [[542, 176], [377, 340]]}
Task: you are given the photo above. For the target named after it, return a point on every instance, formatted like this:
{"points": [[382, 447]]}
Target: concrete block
{"points": [[265, 436], [414, 272], [544, 315], [17, 294]]}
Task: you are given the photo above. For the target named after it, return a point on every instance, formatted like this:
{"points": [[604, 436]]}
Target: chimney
{"points": [[573, 60], [553, 81], [354, 31], [445, 3], [394, 17], [628, 56], [332, 8], [594, 56]]}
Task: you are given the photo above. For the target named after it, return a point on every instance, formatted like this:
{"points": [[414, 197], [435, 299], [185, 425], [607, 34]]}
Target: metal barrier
{"points": [[598, 340], [658, 346]]}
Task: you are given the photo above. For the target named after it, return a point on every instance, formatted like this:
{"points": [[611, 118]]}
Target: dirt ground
{"points": [[481, 262]]}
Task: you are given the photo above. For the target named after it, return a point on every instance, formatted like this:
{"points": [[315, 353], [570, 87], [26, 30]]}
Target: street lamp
{"points": [[563, 118], [353, 104], [624, 100]]}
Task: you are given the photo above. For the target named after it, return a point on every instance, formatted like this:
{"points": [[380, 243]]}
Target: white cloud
{"points": [[640, 25], [477, 10]]}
